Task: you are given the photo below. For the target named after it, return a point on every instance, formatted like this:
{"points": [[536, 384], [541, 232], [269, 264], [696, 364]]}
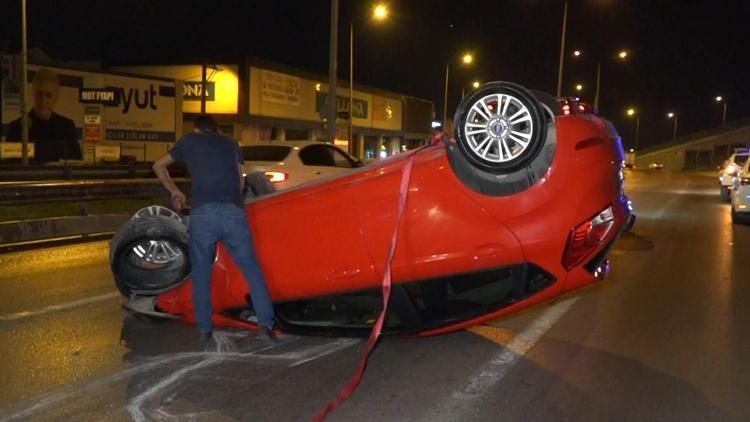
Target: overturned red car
{"points": [[522, 206]]}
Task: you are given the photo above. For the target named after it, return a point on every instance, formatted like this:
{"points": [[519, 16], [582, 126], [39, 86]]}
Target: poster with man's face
{"points": [[140, 109]]}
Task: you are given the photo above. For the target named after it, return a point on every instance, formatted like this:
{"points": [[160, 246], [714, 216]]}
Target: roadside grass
{"points": [[64, 209]]}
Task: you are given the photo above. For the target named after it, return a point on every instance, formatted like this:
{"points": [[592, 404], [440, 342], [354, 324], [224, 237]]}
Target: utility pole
{"points": [[24, 70], [332, 70]]}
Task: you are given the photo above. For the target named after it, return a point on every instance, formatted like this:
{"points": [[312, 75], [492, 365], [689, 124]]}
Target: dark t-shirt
{"points": [[212, 159], [54, 138]]}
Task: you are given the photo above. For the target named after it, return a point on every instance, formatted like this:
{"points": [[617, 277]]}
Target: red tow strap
{"points": [[377, 328]]}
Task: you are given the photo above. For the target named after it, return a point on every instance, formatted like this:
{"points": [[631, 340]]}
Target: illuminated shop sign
{"points": [[192, 91]]}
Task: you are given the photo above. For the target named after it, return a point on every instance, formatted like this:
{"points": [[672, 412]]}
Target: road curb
{"points": [[22, 231]]}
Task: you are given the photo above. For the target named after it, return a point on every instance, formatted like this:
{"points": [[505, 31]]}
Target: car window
{"points": [[324, 155], [265, 152], [740, 159]]}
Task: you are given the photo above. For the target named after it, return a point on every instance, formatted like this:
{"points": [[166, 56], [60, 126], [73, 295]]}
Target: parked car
{"points": [[293, 163], [729, 170], [523, 205], [740, 195]]}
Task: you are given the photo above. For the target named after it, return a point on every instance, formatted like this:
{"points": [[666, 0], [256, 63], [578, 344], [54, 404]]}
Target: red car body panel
{"points": [[332, 237]]}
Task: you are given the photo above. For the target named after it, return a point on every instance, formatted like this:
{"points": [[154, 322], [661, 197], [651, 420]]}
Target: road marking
{"points": [[60, 307], [462, 401]]}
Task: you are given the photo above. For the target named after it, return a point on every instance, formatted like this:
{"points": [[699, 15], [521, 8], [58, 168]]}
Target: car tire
{"points": [[149, 255], [724, 195], [257, 185], [501, 127]]}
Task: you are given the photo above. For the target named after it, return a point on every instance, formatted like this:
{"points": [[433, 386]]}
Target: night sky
{"points": [[682, 53]]}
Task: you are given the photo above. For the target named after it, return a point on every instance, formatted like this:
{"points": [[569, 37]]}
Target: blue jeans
{"points": [[213, 222]]}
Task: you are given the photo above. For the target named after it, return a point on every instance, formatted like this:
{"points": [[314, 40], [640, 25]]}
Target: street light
{"points": [[632, 112], [379, 13], [475, 84], [720, 99], [622, 55], [579, 87], [466, 59], [674, 117]]}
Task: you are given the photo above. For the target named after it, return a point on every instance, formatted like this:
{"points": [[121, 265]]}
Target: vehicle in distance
{"points": [[729, 170], [291, 163], [656, 165], [740, 195], [488, 229]]}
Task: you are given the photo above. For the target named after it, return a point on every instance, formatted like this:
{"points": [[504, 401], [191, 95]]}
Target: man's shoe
{"points": [[266, 334]]}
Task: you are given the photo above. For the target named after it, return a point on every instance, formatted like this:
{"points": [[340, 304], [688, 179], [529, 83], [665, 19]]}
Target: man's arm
{"points": [[160, 168]]}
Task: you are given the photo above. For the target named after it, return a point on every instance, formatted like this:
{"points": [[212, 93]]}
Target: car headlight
{"points": [[731, 169]]}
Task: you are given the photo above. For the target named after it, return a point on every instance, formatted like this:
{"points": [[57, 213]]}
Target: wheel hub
{"points": [[498, 128]]}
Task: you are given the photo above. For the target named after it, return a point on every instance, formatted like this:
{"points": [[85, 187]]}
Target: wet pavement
{"points": [[662, 338]]}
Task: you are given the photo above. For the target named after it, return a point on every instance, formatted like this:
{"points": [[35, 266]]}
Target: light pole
{"points": [[622, 55], [466, 59], [379, 13], [562, 49], [674, 117], [332, 70], [720, 99], [632, 112], [24, 70]]}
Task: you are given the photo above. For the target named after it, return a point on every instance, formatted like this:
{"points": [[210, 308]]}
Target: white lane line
{"points": [[60, 307], [489, 374]]}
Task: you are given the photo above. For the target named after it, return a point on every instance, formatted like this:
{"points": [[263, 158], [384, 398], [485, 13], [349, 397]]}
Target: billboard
{"points": [[130, 108]]}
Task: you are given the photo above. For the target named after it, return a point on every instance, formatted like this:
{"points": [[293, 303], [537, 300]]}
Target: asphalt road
{"points": [[662, 338]]}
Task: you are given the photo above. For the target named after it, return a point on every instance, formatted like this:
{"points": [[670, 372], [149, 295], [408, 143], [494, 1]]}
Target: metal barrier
{"points": [[82, 190], [16, 172]]}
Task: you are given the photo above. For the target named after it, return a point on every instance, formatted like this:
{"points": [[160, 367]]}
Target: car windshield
{"points": [[265, 152]]}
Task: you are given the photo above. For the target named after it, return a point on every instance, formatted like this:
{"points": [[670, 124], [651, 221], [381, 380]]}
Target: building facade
{"points": [[256, 100]]}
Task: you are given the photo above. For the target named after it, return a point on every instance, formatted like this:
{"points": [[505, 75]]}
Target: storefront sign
{"points": [[359, 107], [191, 91], [13, 149], [280, 88]]}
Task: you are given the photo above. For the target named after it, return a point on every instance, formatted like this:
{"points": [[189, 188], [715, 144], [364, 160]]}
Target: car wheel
{"points": [[501, 127], [149, 255], [257, 184], [156, 210], [724, 193]]}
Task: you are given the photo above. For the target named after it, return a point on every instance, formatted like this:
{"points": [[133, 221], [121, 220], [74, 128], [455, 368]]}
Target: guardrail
{"points": [[12, 193], [17, 172], [27, 233]]}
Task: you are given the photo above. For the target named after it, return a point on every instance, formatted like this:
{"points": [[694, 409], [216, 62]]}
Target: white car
{"points": [[729, 170], [290, 163], [740, 195]]}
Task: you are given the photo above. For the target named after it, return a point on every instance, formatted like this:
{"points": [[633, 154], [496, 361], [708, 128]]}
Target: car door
{"points": [[322, 160]]}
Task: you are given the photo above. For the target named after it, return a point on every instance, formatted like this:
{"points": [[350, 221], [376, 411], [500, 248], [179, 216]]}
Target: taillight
{"points": [[276, 176], [566, 109], [744, 181], [585, 237]]}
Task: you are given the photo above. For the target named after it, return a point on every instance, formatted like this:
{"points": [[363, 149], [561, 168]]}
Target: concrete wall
{"points": [[702, 152]]}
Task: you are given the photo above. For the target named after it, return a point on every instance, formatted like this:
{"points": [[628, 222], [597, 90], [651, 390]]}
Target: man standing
{"points": [[54, 136], [217, 214]]}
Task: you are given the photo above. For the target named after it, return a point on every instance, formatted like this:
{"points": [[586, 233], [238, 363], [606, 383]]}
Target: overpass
{"points": [[704, 150]]}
